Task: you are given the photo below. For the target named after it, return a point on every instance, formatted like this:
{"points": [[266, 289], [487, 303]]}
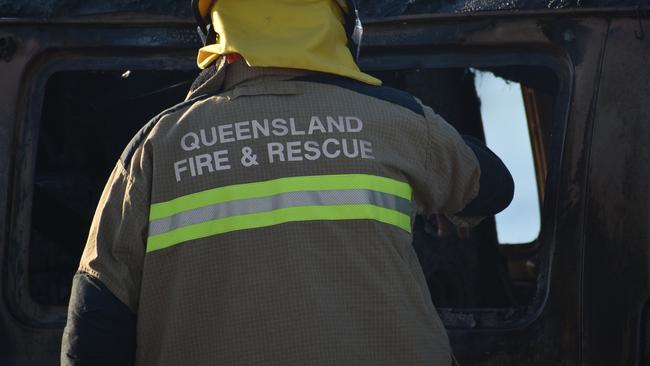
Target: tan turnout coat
{"points": [[266, 221]]}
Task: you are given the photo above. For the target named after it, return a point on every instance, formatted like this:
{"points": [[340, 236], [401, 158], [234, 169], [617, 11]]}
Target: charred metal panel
{"points": [[73, 8], [385, 8], [617, 235], [368, 8], [644, 344]]}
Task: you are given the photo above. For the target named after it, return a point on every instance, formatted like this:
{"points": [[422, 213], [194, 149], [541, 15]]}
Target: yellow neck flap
{"points": [[298, 34]]}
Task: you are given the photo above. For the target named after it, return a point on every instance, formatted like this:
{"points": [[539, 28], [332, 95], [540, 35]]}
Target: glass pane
{"points": [[506, 133]]}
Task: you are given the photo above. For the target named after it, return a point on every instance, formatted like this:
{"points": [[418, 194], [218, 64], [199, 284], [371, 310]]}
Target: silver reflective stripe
{"points": [[291, 199]]}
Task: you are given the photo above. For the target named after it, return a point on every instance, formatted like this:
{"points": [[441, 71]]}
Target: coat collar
{"points": [[221, 77]]}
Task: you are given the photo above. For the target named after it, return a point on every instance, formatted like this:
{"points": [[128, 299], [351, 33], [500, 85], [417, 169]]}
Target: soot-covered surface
{"points": [[368, 8]]}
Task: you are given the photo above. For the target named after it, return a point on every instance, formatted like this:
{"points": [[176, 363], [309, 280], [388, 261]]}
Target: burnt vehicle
{"points": [[79, 78]]}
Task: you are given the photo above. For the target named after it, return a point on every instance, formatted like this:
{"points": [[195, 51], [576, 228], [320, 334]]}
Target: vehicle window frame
{"points": [[473, 56], [17, 295]]}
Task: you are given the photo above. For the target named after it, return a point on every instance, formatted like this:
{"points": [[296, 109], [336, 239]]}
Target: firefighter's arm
{"points": [[496, 186], [464, 180], [100, 328], [101, 317]]}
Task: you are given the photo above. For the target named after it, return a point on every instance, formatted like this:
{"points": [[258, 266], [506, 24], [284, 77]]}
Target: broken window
{"points": [[475, 278], [503, 114], [88, 118]]}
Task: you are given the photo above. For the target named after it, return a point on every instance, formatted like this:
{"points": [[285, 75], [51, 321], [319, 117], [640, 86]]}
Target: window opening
{"points": [[506, 133], [470, 269], [88, 118]]}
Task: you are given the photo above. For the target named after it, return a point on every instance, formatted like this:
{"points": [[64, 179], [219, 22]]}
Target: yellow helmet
{"points": [[353, 26]]}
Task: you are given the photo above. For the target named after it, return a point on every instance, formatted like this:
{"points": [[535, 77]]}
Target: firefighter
{"points": [[267, 218]]}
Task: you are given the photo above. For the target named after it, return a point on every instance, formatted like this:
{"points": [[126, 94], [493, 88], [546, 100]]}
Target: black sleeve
{"points": [[496, 185], [100, 329]]}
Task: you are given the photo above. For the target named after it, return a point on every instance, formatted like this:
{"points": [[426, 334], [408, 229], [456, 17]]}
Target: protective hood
{"points": [[299, 34]]}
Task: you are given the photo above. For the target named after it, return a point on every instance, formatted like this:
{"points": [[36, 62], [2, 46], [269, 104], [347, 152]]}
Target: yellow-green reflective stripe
{"points": [[275, 217], [283, 200], [278, 186]]}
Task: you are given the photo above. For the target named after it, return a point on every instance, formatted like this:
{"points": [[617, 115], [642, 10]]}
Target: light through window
{"points": [[506, 133]]}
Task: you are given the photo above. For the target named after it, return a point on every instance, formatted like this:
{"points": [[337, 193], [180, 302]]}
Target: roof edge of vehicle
{"points": [[144, 18]]}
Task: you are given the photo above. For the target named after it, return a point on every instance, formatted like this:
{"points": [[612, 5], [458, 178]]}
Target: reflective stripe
{"points": [[263, 204], [276, 217], [291, 199], [277, 186]]}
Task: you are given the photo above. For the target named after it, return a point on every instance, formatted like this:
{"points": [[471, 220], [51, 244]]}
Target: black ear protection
{"points": [[353, 27], [204, 29]]}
